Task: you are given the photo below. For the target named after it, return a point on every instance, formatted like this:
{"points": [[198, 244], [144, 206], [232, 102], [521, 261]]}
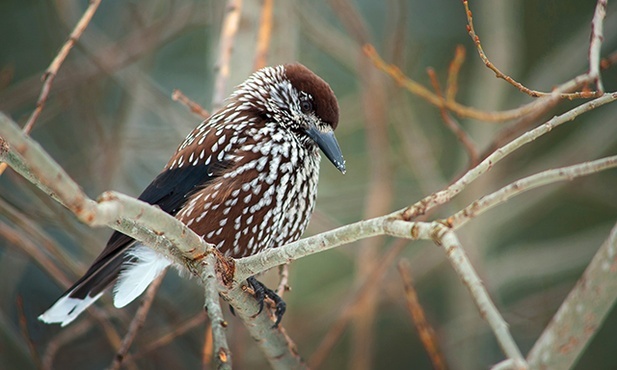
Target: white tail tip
{"points": [[66, 309]]}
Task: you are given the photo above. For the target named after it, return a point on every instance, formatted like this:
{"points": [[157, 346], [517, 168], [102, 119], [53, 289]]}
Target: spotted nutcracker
{"points": [[245, 180]]}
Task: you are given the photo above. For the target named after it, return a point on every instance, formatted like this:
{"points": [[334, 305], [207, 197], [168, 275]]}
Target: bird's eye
{"points": [[306, 106]]}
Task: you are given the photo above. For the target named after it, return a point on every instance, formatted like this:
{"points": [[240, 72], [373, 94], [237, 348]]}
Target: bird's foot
{"points": [[261, 293]]}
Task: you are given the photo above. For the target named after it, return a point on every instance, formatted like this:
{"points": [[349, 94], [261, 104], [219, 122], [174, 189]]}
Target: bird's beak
{"points": [[328, 144]]}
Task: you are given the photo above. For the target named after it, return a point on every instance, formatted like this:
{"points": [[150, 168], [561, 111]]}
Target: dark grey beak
{"points": [[329, 146]]}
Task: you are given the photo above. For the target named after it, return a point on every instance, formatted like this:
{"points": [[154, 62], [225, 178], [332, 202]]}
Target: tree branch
{"points": [[595, 45], [228, 33], [581, 314], [451, 191], [531, 182], [222, 354]]}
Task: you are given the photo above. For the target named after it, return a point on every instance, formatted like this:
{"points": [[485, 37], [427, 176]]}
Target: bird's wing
{"points": [[169, 191]]}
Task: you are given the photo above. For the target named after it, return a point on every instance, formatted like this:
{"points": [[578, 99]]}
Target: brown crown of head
{"points": [[324, 101]]}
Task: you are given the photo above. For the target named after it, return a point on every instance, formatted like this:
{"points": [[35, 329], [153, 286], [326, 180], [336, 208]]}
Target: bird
{"points": [[245, 180]]}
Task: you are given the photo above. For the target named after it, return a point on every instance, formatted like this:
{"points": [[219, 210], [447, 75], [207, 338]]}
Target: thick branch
{"points": [[581, 314]]}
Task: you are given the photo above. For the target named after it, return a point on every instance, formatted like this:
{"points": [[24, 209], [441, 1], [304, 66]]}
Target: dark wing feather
{"points": [[169, 190]]}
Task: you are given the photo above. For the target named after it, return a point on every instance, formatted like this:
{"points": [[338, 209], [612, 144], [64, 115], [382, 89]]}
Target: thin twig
{"points": [[445, 195], [137, 322], [51, 72], [228, 34], [23, 326], [370, 283], [595, 44], [264, 35], [53, 68], [193, 106], [169, 337], [609, 61], [64, 337], [424, 328], [424, 93], [453, 125], [531, 182], [510, 80], [453, 72]]}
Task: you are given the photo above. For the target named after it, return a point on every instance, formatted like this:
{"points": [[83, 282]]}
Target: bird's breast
{"points": [[263, 198]]}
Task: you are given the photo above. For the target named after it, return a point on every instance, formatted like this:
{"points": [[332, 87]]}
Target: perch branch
{"points": [[279, 349]]}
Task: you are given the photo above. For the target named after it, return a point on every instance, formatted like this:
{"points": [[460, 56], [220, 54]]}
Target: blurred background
{"points": [[111, 123]]}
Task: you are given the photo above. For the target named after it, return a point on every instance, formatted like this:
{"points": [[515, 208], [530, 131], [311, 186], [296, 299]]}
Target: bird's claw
{"points": [[261, 293]]}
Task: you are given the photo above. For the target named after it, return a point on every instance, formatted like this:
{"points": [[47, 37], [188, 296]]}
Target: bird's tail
{"points": [[84, 292], [134, 266]]}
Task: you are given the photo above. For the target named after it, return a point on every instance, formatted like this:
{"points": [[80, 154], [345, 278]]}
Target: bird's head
{"points": [[299, 100]]}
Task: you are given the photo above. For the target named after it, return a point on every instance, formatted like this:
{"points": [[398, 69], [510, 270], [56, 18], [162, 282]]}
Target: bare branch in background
{"points": [[264, 35], [581, 314], [424, 328], [462, 111], [165, 339], [284, 282], [231, 22], [137, 322], [52, 70], [23, 326], [371, 282], [453, 72], [193, 106], [533, 93], [452, 124], [445, 195], [595, 45]]}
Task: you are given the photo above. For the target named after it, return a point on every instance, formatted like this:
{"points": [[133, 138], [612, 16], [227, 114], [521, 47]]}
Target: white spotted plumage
{"points": [[245, 180]]}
